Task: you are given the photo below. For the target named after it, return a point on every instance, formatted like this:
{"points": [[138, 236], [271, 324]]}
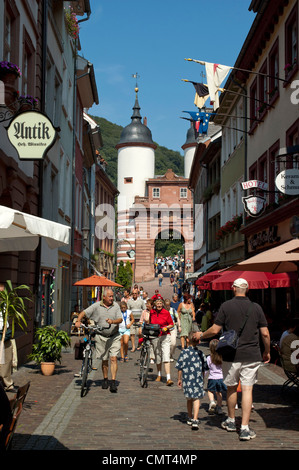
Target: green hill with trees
{"points": [[164, 157]]}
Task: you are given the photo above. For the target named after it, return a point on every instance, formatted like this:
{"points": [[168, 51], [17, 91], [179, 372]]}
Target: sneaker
{"points": [[219, 410], [228, 425], [246, 434], [113, 387], [212, 407], [169, 383], [189, 421], [195, 424], [105, 384]]}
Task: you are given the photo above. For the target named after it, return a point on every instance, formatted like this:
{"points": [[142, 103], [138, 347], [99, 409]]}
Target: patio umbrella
{"points": [[255, 279], [203, 285], [281, 259], [20, 231], [97, 281], [208, 277]]}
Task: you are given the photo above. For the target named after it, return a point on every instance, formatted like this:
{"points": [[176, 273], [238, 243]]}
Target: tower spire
{"points": [[136, 75]]}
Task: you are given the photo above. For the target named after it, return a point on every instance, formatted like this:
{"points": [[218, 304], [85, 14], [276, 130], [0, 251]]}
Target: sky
{"points": [[153, 38]]}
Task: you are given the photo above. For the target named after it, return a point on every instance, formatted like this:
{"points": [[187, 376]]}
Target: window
{"points": [[28, 76], [183, 193], [156, 192], [253, 103], [262, 168], [214, 226], [292, 139], [291, 43], [273, 72], [263, 172], [11, 34], [128, 180], [262, 106]]}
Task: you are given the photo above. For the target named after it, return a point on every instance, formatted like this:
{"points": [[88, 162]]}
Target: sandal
{"points": [[126, 358], [121, 359]]}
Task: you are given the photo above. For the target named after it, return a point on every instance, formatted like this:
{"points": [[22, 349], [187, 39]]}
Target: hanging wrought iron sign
{"points": [[32, 134], [254, 205]]}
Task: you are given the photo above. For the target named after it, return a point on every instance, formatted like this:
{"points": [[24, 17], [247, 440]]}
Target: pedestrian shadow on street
{"points": [[275, 395], [36, 442]]}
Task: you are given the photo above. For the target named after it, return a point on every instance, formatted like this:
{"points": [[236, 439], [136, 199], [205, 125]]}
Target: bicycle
{"points": [[149, 331], [89, 344]]}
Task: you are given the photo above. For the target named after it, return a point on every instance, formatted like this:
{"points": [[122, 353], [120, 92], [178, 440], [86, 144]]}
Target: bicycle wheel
{"points": [[84, 373], [144, 365]]}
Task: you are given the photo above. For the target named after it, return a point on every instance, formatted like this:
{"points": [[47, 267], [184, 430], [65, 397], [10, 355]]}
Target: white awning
{"points": [[21, 232], [205, 267]]}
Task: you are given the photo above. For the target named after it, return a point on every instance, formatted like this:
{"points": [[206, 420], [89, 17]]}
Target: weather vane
{"points": [[136, 75]]}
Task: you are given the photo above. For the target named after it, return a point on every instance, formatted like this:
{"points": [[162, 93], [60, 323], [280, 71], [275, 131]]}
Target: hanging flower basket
{"points": [[28, 102], [71, 22], [9, 72]]}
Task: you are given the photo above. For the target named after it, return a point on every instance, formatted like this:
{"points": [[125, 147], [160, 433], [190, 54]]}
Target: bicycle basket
{"points": [[151, 329]]}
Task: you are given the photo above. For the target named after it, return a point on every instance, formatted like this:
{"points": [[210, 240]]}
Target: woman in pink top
{"points": [[215, 379]]}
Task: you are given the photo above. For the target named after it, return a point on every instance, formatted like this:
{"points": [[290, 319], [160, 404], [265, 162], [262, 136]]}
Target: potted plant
{"points": [[7, 69], [71, 22], [47, 349], [13, 311]]}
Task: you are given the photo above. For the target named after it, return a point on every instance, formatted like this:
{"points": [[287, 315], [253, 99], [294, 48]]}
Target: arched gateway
{"points": [[148, 204]]}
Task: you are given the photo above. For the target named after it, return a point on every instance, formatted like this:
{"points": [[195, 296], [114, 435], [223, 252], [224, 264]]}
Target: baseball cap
{"points": [[240, 283]]}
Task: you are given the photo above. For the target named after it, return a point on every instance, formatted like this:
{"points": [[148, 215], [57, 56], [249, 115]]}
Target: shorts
{"points": [[216, 385], [245, 372], [124, 332], [134, 330], [161, 348], [107, 347]]}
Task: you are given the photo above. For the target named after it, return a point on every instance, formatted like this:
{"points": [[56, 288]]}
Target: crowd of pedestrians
{"points": [[190, 319]]}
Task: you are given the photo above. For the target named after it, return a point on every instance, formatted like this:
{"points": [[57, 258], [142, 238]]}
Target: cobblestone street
{"points": [[56, 417]]}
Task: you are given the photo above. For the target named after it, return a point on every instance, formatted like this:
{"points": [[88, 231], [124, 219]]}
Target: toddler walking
{"points": [[215, 380], [191, 365]]}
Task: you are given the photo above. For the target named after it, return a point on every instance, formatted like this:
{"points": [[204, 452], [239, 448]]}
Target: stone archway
{"points": [[144, 262]]}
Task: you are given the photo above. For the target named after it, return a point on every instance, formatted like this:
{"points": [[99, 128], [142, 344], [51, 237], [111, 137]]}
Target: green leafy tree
{"points": [[129, 270], [122, 277]]}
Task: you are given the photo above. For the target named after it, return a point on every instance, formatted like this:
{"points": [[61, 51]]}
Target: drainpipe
{"points": [[245, 153], [44, 34], [74, 152]]}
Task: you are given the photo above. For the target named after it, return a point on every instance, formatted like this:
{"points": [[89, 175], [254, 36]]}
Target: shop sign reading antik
{"points": [[32, 134], [288, 181]]}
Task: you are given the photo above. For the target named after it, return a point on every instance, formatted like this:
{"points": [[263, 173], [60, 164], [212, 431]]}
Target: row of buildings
{"points": [[67, 185], [253, 137]]}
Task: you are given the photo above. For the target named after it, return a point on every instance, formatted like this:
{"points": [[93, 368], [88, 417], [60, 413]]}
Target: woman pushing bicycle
{"points": [[161, 345]]}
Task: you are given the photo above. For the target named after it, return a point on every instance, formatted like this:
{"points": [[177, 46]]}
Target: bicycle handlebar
{"points": [[96, 328], [140, 324]]}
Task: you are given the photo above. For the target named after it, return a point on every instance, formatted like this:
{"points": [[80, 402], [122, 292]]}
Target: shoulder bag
{"points": [[229, 340]]}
